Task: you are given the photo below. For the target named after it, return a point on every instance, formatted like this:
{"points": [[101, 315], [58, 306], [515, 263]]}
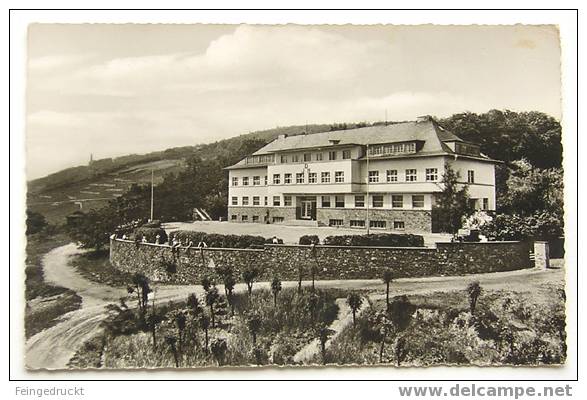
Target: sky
{"points": [[112, 90]]}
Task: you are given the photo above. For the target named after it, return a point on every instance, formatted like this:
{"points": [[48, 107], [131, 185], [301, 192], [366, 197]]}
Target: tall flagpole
{"points": [[152, 184]]}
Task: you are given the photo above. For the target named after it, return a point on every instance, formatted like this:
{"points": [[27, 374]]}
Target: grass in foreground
{"points": [[95, 266], [505, 328], [259, 332], [44, 303]]}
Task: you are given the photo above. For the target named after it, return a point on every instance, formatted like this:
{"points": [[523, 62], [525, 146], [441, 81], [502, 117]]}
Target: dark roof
{"points": [[428, 132]]}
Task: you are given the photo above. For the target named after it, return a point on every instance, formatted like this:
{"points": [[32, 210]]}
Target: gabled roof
{"points": [[428, 132]]}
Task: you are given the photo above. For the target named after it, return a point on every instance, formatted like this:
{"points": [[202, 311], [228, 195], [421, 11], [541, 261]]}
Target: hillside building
{"points": [[383, 176]]}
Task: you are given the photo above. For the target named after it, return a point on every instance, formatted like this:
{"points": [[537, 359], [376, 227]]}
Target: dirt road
{"points": [[54, 347]]}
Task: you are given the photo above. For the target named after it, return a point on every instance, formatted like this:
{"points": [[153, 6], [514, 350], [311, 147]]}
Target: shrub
{"points": [[218, 240], [309, 239], [376, 240], [151, 234], [152, 224]]}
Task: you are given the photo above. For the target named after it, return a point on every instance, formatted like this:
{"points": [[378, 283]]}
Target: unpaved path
{"points": [[52, 348]]}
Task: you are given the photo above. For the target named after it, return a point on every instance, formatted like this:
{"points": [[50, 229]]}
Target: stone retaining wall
{"points": [[188, 266]]}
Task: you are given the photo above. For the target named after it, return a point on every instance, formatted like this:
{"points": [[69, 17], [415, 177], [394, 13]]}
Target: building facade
{"points": [[384, 177]]}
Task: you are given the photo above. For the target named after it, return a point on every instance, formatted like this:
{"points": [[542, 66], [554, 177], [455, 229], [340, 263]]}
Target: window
{"points": [[312, 177], [265, 180], [256, 180], [276, 179], [377, 200], [339, 201], [357, 223], [300, 177], [339, 176], [245, 181], [325, 177], [245, 201], [377, 224], [256, 200], [234, 181], [417, 201], [235, 201], [287, 201], [485, 203], [399, 225], [373, 176], [411, 175], [318, 156], [332, 155], [471, 176], [335, 222], [307, 157], [295, 158], [255, 218], [287, 179], [263, 159], [276, 201], [397, 201], [325, 201], [284, 159], [277, 219], [346, 154], [266, 200], [359, 201], [392, 175], [431, 174], [234, 217], [244, 218], [394, 148]]}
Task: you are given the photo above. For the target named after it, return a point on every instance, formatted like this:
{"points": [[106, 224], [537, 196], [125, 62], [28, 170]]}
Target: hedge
{"points": [[218, 240], [309, 239], [377, 240], [151, 234]]}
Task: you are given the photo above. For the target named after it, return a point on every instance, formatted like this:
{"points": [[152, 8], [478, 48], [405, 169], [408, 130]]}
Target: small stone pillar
{"points": [[541, 255]]}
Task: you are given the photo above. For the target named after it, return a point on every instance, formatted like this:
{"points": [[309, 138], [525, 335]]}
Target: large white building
{"points": [[383, 176]]}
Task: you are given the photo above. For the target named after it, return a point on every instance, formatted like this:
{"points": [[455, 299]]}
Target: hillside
{"points": [[91, 186]]}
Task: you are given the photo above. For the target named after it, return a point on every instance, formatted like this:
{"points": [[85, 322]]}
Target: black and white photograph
{"points": [[258, 196]]}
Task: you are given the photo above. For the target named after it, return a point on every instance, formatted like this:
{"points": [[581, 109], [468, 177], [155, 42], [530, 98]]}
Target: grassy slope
{"points": [[45, 303]]}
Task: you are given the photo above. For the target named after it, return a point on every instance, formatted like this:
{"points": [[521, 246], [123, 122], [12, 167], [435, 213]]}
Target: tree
{"points": [[171, 340], [474, 291], [207, 283], [452, 203], [324, 334], [249, 276], [180, 321], [384, 328], [35, 222], [275, 289], [400, 312], [212, 297], [140, 286], [229, 283], [312, 305], [354, 301], [254, 323], [387, 278], [219, 348], [153, 320], [92, 229], [205, 325], [300, 277]]}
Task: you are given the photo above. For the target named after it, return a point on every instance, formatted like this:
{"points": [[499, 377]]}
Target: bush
{"points": [[309, 239], [376, 240], [540, 225], [218, 240], [151, 234], [152, 224]]}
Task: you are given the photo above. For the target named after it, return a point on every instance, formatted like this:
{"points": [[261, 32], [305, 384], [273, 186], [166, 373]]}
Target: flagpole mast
{"points": [[152, 184]]}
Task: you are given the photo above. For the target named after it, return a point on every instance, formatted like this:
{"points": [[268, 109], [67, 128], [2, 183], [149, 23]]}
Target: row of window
{"points": [[397, 201], [360, 223], [316, 156], [391, 175]]}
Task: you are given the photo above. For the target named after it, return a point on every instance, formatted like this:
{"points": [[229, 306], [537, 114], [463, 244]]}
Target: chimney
{"points": [[424, 118]]}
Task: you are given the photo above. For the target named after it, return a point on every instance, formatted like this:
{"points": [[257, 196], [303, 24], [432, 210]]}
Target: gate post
{"points": [[541, 255]]}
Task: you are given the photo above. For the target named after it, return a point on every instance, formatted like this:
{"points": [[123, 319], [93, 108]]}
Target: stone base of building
{"points": [[384, 220]]}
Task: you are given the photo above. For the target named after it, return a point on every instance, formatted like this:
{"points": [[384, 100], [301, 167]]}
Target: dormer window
{"points": [[392, 149]]}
